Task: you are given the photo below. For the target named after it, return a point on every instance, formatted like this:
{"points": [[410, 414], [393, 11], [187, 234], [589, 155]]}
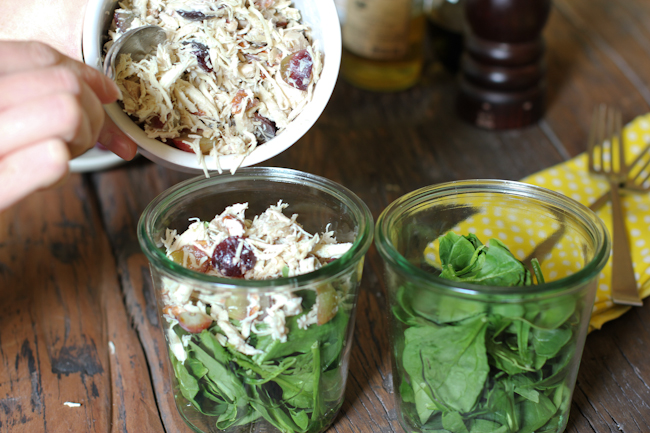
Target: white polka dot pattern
{"points": [[572, 179], [522, 231]]}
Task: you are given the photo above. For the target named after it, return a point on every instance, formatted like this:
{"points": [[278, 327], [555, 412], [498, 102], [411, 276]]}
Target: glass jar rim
{"points": [[153, 211], [562, 286]]}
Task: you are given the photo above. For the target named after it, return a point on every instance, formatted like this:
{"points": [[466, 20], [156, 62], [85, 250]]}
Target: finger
{"points": [[33, 84], [61, 116], [117, 141], [21, 56], [83, 139], [31, 168], [93, 120]]}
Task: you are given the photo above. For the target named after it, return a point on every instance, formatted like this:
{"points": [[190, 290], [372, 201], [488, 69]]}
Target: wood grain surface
{"points": [[78, 320]]}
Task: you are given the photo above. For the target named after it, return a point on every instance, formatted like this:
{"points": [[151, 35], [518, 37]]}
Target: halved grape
{"points": [[328, 302], [194, 322], [224, 258], [202, 263], [202, 53], [205, 144], [266, 129], [123, 19], [295, 69], [237, 306]]}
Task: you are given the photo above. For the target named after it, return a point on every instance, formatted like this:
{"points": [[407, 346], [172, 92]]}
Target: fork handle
{"points": [[624, 288]]}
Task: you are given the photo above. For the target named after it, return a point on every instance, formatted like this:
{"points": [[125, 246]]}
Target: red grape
{"points": [[223, 258], [295, 69]]}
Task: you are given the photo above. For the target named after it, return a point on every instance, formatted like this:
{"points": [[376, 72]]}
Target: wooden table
{"points": [[78, 318]]}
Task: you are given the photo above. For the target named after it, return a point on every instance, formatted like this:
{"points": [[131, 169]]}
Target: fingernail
{"points": [[119, 147], [58, 153], [57, 165]]}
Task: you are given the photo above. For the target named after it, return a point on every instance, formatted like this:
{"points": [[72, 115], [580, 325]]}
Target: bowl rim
{"points": [[560, 287], [171, 157], [354, 256]]}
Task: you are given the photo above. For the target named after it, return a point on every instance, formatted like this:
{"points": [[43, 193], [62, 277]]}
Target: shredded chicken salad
{"points": [[272, 245], [230, 76]]}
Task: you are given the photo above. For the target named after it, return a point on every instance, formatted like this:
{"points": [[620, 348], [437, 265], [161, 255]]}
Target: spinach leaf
{"points": [[195, 368], [548, 342], [424, 404], [189, 386], [501, 268], [484, 426], [555, 313], [506, 359], [300, 418], [213, 347], [448, 362], [318, 410], [459, 254], [464, 258], [479, 366], [331, 334], [225, 379], [535, 415], [415, 303], [453, 421]]}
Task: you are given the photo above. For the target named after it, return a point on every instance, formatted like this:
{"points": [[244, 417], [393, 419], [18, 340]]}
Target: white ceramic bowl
{"points": [[320, 15]]}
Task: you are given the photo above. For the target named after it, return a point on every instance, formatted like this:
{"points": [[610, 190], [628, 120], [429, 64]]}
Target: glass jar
{"points": [[382, 44], [470, 357], [290, 384], [445, 26]]}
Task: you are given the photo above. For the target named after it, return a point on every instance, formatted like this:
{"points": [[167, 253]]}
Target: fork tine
{"points": [[622, 166], [604, 129], [642, 181], [591, 143], [643, 170], [637, 160], [610, 133], [604, 133]]}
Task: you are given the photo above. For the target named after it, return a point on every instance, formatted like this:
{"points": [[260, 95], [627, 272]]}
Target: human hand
{"points": [[50, 112]]}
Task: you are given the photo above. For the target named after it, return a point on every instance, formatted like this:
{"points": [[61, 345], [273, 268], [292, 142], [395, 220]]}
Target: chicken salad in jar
{"points": [[241, 356]]}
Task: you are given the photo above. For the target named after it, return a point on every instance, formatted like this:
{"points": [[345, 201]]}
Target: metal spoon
{"points": [[138, 42]]}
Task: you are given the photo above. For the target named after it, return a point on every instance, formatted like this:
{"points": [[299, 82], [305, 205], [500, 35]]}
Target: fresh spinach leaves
{"points": [[472, 365], [465, 258], [294, 385]]}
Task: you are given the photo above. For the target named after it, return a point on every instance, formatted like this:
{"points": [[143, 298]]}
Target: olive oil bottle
{"points": [[382, 44]]}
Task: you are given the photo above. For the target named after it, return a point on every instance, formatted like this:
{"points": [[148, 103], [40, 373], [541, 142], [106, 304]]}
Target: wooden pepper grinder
{"points": [[502, 69]]}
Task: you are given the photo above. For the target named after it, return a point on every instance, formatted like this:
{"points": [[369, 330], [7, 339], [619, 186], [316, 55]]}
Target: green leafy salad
{"points": [[246, 356], [294, 385], [499, 364]]}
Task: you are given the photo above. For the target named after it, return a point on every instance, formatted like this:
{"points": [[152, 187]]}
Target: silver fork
{"points": [[638, 179], [606, 152]]}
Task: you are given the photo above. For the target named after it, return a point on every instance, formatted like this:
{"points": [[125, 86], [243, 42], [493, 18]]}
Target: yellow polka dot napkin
{"points": [[572, 179], [521, 233]]}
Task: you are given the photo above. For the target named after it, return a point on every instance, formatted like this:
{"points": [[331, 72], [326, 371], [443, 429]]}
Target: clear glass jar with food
{"points": [[491, 286], [256, 276]]}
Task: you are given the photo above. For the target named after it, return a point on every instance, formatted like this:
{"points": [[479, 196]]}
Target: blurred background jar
{"points": [[382, 43], [445, 22]]}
